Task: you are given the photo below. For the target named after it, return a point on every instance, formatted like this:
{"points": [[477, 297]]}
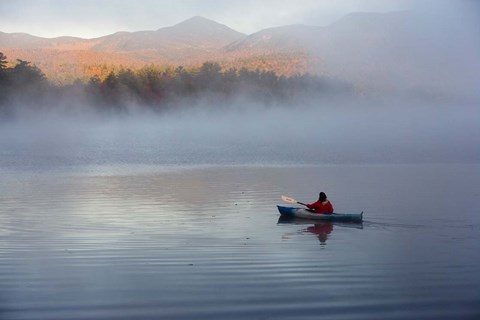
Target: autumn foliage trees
{"points": [[158, 87]]}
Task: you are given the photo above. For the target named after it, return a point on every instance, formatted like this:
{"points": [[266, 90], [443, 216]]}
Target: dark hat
{"points": [[322, 197]]}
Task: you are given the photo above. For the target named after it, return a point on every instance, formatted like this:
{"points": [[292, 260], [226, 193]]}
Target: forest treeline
{"points": [[155, 87]]}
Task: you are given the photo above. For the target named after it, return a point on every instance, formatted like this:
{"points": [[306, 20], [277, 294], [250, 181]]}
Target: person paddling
{"points": [[322, 205]]}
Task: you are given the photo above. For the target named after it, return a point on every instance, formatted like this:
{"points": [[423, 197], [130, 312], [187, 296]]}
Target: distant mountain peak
{"points": [[198, 22], [212, 33], [197, 19]]}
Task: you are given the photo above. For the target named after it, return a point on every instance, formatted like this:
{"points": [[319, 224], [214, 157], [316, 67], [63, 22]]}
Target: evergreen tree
{"points": [[3, 81], [3, 62], [24, 74]]}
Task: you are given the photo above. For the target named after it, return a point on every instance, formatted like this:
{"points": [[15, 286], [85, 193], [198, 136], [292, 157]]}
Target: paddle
{"points": [[291, 200]]}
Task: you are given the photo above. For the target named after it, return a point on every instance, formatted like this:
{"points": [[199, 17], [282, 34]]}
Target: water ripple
{"points": [[206, 243]]}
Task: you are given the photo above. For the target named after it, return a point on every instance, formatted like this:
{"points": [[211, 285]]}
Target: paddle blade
{"points": [[288, 199]]}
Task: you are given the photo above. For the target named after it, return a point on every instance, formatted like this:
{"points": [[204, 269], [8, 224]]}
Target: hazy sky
{"points": [[93, 18]]}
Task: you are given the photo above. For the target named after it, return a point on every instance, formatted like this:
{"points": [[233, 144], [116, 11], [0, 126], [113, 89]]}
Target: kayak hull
{"points": [[289, 212]]}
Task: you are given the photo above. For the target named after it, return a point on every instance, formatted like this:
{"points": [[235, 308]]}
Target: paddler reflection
{"points": [[322, 230]]}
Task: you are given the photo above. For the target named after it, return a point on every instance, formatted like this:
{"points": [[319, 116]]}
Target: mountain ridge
{"points": [[374, 51]]}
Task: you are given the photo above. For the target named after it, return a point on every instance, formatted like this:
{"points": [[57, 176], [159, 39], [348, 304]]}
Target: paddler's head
{"points": [[322, 196]]}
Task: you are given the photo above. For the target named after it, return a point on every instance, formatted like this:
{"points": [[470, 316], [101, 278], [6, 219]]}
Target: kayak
{"points": [[307, 214], [306, 221]]}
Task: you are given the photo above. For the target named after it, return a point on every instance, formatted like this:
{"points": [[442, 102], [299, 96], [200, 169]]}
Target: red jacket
{"points": [[321, 207]]}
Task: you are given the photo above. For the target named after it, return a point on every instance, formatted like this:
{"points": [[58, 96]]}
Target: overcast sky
{"points": [[94, 18]]}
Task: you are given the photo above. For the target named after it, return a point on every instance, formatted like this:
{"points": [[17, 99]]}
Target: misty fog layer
{"points": [[323, 133], [430, 53]]}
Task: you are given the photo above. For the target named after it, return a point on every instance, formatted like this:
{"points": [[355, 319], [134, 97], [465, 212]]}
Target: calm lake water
{"points": [[98, 231]]}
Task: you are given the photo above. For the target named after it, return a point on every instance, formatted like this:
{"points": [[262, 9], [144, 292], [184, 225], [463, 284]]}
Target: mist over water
{"points": [[327, 132]]}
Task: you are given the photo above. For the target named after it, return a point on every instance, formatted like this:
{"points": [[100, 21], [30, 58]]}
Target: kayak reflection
{"points": [[322, 229]]}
